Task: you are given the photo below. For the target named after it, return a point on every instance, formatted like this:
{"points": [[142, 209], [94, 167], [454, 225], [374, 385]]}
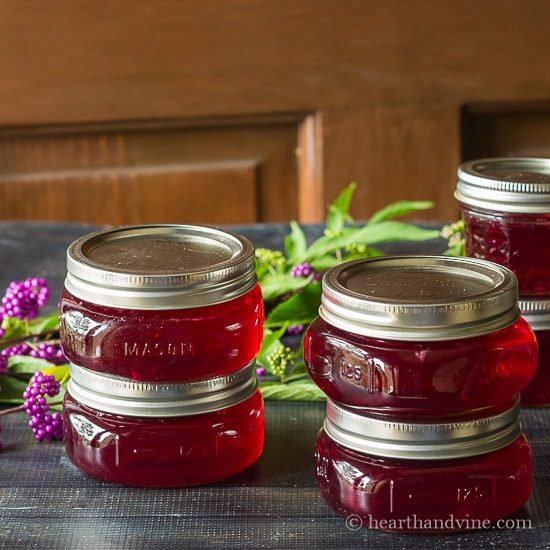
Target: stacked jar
{"points": [[505, 206], [161, 325], [422, 359]]}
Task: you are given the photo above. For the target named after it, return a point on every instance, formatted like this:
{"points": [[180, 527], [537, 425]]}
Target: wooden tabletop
{"points": [[47, 503]]}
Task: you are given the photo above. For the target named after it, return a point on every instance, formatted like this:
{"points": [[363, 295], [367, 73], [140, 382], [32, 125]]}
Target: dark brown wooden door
{"points": [[235, 111]]}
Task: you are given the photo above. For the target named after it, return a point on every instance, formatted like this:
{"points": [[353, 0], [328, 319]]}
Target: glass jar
{"points": [[161, 303], [420, 335], [505, 205], [162, 435], [537, 314], [161, 325], [397, 475]]}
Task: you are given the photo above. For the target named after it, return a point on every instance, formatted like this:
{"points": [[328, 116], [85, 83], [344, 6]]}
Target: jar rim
{"points": [[507, 184], [536, 312], [160, 266], [420, 298], [389, 438], [122, 396]]}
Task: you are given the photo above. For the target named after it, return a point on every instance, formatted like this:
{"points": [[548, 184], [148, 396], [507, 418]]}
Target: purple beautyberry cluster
{"points": [[301, 270], [305, 270], [24, 299], [45, 425], [43, 350]]}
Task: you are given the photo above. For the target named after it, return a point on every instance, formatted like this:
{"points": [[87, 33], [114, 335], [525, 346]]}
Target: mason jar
{"points": [[161, 325], [505, 205], [423, 476], [153, 434], [421, 335], [537, 314], [163, 303]]}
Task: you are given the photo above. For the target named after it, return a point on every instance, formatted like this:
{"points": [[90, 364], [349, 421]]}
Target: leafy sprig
{"points": [[20, 368], [293, 301]]}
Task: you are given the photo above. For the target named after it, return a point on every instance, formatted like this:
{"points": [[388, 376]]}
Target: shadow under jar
{"points": [[421, 336], [161, 325]]}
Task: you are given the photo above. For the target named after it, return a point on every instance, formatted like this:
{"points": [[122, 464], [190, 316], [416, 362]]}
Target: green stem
{"points": [[22, 408], [29, 337], [13, 410]]}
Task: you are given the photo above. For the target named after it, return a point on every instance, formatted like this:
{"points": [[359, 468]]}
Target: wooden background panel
{"points": [[178, 194], [231, 171], [382, 83], [514, 129], [78, 60], [407, 153]]}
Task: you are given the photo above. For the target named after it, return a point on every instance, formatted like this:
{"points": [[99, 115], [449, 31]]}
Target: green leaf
{"points": [[61, 373], [370, 234], [295, 391], [44, 324], [295, 243], [270, 340], [457, 250], [368, 253], [324, 262], [300, 309], [276, 285], [298, 372], [12, 389], [13, 328], [25, 364], [399, 208], [338, 211]]}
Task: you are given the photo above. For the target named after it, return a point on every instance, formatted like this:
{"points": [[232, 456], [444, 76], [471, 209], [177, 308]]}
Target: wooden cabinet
{"points": [[237, 111]]}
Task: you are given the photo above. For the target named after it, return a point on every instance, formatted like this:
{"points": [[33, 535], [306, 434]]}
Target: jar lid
{"points": [[505, 184], [423, 298], [418, 440], [117, 395], [536, 313], [160, 266]]}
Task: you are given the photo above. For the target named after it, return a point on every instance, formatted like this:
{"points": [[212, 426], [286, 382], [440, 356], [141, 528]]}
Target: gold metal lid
{"points": [[519, 185], [391, 438], [536, 312], [117, 395], [160, 266], [421, 298]]}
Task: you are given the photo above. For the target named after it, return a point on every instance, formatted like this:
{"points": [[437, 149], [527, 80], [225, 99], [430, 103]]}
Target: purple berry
{"points": [[3, 364], [295, 329], [24, 299], [301, 270], [44, 425], [44, 350]]}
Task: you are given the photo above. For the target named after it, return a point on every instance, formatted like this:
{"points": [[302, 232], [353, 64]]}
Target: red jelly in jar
{"points": [[537, 314], [166, 303], [505, 205], [162, 435], [421, 335], [161, 325], [419, 477]]}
